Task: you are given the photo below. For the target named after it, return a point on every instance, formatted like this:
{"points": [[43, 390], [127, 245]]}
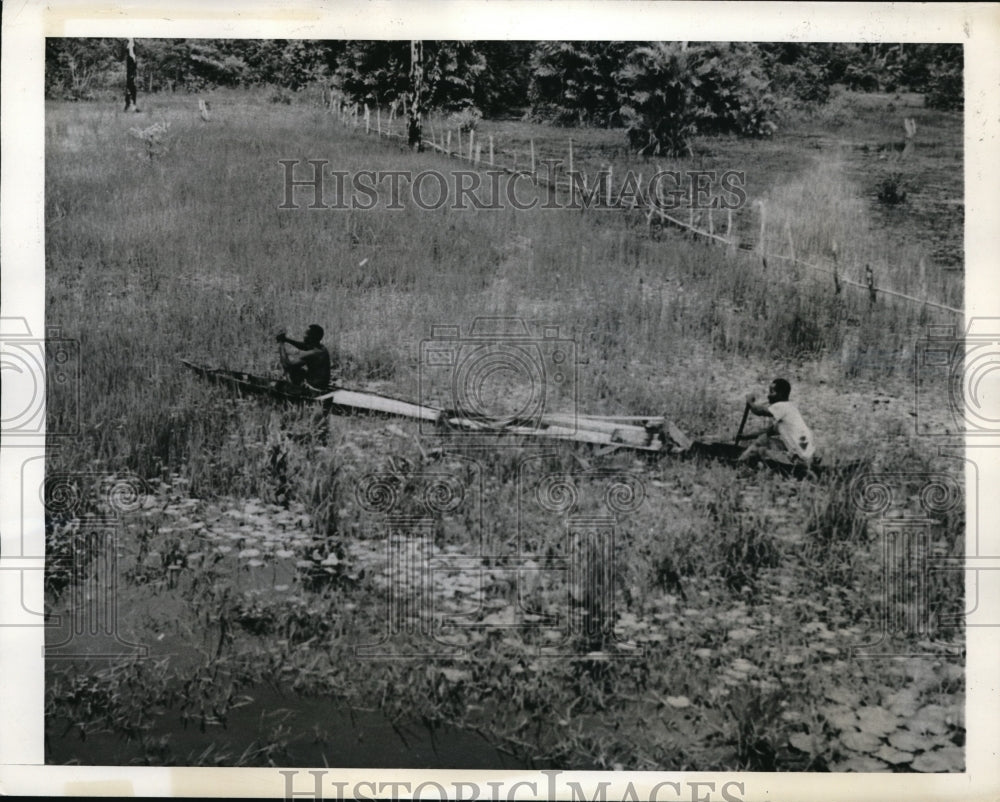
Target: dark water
{"points": [[310, 732]]}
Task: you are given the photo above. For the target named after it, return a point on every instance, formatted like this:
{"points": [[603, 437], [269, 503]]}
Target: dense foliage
{"points": [[671, 92], [662, 93]]}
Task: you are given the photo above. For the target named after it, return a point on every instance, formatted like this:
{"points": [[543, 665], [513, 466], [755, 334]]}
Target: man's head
{"points": [[779, 390], [314, 334]]}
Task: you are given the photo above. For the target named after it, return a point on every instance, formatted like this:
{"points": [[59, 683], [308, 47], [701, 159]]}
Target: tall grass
{"points": [[186, 254]]}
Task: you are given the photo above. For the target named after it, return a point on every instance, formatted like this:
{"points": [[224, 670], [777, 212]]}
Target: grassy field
{"points": [[253, 564]]}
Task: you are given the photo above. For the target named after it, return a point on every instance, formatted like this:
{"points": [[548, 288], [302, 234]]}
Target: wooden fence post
{"points": [[836, 268], [472, 138], [378, 120], [531, 142], [611, 172], [729, 224], [870, 282], [491, 150], [763, 226], [570, 169], [447, 143], [368, 120]]}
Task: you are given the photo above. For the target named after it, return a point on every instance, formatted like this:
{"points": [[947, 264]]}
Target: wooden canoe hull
{"points": [[653, 435]]}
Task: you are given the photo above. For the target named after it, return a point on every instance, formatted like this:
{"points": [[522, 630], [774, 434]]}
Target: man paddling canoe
{"points": [[786, 438], [311, 367]]}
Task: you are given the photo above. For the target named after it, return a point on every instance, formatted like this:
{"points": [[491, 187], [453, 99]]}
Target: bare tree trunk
{"points": [[414, 132], [130, 73]]}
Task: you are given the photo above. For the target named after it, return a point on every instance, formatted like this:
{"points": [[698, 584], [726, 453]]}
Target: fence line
{"points": [[349, 115]]}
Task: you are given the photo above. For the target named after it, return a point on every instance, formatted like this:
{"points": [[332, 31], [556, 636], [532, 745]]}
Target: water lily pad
{"points": [[843, 696], [741, 635], [284, 553], [895, 757], [255, 563], [929, 719], [794, 659], [843, 718], [863, 742], [877, 720], [950, 758], [678, 701], [904, 702], [861, 763], [455, 674], [953, 671], [906, 741], [802, 741], [248, 553]]}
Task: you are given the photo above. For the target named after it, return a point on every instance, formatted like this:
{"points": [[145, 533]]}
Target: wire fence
{"points": [[481, 152]]}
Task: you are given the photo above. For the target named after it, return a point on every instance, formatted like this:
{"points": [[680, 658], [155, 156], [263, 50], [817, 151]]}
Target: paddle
{"points": [[743, 423]]}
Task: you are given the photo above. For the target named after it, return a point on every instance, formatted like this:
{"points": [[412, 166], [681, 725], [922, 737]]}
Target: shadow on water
{"points": [[284, 730]]}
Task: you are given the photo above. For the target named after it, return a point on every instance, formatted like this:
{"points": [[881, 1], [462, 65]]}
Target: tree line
{"points": [[662, 93]]}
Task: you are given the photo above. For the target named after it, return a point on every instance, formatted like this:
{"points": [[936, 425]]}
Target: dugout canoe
{"points": [[652, 435], [338, 400]]}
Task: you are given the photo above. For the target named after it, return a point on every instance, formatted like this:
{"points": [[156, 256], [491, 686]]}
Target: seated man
{"points": [[311, 368], [786, 438]]}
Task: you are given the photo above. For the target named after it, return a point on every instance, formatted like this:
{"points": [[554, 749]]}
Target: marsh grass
{"points": [[184, 253]]}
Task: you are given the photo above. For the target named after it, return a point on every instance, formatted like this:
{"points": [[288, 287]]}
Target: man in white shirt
{"points": [[786, 438]]}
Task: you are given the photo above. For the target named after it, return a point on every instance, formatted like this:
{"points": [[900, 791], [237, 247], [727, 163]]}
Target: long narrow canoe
{"points": [[355, 400], [339, 400], [652, 434]]}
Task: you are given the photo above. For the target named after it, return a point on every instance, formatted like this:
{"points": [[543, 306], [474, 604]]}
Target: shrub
{"points": [[945, 90], [670, 92], [466, 120], [890, 190]]}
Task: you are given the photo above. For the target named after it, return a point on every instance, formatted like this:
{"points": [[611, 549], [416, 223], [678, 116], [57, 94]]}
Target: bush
{"points": [[466, 120], [671, 92], [890, 190], [945, 90]]}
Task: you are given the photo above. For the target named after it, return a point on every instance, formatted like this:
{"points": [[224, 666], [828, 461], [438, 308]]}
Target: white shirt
{"points": [[792, 429]]}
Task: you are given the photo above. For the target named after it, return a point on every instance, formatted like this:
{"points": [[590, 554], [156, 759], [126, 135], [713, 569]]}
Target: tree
{"points": [[377, 72], [76, 68], [670, 92], [573, 83], [414, 132], [503, 85]]}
